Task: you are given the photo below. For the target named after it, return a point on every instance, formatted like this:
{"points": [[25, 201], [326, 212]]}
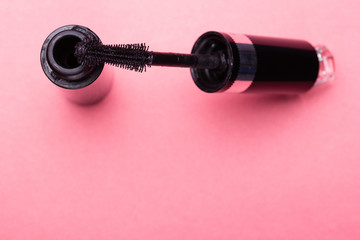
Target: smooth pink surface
{"points": [[158, 158]]}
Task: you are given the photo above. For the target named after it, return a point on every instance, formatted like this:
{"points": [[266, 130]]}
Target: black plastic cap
{"points": [[221, 78]]}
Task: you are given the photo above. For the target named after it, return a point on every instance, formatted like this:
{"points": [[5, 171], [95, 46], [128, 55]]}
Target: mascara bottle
{"points": [[81, 84], [73, 57]]}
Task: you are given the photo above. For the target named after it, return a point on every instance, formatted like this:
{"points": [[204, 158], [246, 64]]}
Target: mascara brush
{"points": [[137, 57], [221, 61]]}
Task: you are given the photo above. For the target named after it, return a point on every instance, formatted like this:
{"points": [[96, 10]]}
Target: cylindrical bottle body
{"points": [[283, 65], [257, 64], [93, 93]]}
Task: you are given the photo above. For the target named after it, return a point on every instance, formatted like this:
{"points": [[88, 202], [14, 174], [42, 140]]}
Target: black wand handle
{"points": [[184, 60]]}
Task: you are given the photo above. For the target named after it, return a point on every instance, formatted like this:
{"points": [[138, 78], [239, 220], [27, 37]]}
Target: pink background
{"points": [[158, 158]]}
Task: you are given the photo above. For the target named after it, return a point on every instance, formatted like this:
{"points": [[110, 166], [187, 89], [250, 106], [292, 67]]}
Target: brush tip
{"points": [[128, 56], [81, 52]]}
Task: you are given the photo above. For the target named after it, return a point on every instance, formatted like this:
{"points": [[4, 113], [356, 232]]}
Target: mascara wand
{"points": [[221, 61], [137, 57]]}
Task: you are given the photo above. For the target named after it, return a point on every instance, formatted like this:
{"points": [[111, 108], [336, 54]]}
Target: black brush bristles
{"points": [[128, 56]]}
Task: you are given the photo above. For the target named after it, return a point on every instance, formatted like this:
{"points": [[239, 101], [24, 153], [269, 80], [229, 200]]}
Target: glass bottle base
{"points": [[326, 65]]}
